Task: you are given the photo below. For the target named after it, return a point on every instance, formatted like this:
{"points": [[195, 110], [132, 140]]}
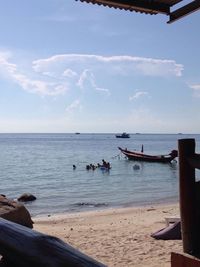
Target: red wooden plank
{"points": [[184, 260]]}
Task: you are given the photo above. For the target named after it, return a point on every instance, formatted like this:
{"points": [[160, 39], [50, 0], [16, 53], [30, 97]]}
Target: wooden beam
{"points": [[21, 246], [184, 11]]}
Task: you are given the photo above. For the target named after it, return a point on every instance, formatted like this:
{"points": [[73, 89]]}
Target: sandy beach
{"points": [[116, 237]]}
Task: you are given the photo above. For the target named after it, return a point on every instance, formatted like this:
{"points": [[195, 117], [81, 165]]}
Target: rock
{"points": [[16, 212], [26, 197]]}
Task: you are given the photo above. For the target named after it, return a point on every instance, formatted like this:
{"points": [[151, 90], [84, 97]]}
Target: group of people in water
{"points": [[104, 165]]}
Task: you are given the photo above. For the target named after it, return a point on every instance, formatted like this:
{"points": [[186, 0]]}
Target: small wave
{"points": [[89, 204]]}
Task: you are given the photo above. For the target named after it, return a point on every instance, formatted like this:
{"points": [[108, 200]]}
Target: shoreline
{"points": [[108, 209], [116, 236], [162, 202]]}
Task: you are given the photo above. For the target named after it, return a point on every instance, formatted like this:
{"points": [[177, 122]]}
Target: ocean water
{"points": [[41, 164]]}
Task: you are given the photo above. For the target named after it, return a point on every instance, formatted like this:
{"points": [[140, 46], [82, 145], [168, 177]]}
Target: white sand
{"points": [[116, 237]]}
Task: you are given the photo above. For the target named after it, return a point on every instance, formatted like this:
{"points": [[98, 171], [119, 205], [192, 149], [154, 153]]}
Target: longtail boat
{"points": [[139, 156]]}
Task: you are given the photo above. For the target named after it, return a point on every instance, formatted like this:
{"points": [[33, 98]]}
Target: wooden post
{"points": [[187, 196]]}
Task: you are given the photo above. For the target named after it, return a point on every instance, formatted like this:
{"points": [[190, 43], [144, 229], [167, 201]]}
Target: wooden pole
{"points": [[186, 149]]}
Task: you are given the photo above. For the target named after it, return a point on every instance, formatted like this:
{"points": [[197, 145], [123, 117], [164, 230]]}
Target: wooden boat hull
{"points": [[120, 136], [149, 158]]}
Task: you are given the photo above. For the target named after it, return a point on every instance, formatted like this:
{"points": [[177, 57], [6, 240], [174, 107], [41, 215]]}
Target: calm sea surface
{"points": [[41, 164]]}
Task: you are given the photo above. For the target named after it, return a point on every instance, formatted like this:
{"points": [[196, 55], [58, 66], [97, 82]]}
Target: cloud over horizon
{"points": [[117, 64], [57, 74]]}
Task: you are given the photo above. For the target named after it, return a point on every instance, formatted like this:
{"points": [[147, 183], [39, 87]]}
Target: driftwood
{"points": [[21, 246]]}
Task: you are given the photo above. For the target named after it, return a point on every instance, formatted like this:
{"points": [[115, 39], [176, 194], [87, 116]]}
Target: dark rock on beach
{"points": [[16, 212], [26, 197]]}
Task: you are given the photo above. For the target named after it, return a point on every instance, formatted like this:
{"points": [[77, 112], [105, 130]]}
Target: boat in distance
{"points": [[139, 156], [123, 135]]}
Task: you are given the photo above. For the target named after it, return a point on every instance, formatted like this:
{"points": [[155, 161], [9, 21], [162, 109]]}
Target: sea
{"points": [[42, 164]]}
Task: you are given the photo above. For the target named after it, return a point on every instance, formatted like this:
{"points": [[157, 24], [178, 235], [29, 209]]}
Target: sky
{"points": [[68, 66]]}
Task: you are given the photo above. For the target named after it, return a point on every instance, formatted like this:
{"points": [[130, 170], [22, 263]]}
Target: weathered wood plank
{"points": [[184, 260], [21, 246], [195, 161]]}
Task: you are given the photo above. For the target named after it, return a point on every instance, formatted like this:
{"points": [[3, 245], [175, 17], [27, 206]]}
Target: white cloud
{"points": [[87, 77], [196, 89], [103, 90], [138, 95], [5, 66], [37, 86], [76, 104], [153, 67], [59, 73], [42, 87], [122, 64], [69, 73]]}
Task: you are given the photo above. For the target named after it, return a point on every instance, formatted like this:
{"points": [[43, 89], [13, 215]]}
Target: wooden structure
{"points": [[152, 6], [189, 190], [22, 246], [188, 159], [183, 260]]}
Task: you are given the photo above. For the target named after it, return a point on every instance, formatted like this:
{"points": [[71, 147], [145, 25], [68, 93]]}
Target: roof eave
{"points": [[142, 6], [151, 7]]}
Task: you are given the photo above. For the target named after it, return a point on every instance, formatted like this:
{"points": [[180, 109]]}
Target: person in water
{"points": [[106, 164], [74, 167]]}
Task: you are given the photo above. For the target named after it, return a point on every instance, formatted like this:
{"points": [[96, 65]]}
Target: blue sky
{"points": [[67, 66]]}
